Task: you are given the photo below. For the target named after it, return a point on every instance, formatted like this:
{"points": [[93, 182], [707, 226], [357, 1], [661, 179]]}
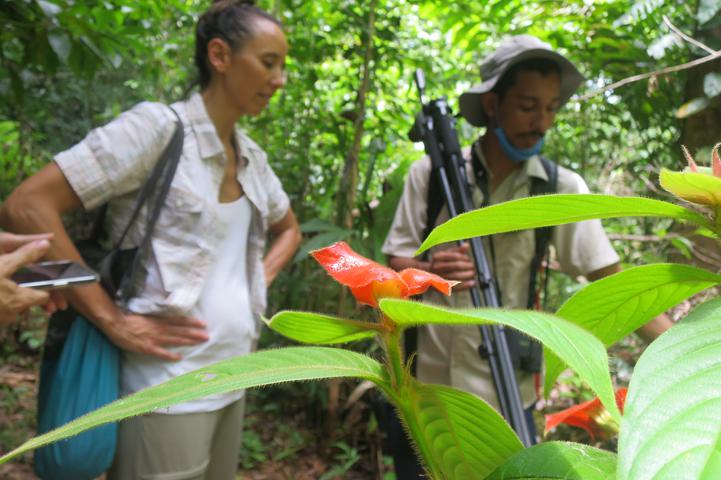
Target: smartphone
{"points": [[55, 274]]}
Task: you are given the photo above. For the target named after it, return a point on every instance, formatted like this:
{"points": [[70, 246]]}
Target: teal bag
{"points": [[84, 377]]}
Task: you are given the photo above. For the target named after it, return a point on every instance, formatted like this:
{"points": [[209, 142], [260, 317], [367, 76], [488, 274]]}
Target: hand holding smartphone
{"points": [[54, 274]]}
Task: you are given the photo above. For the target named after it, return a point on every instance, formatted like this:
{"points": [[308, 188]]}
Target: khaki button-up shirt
{"points": [[449, 355], [112, 163]]}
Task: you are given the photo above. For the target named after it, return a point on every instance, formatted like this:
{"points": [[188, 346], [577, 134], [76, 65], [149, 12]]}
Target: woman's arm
{"points": [[36, 206], [285, 240]]}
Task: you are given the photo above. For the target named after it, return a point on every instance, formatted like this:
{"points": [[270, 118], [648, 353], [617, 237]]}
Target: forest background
{"points": [[337, 137]]}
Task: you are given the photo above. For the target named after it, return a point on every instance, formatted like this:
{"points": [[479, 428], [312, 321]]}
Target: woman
{"points": [[204, 281]]}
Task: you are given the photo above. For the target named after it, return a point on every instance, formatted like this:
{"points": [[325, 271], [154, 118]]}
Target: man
{"points": [[524, 85]]}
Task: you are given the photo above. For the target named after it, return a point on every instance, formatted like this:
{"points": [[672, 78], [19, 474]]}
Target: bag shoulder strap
{"points": [[542, 235], [158, 181]]}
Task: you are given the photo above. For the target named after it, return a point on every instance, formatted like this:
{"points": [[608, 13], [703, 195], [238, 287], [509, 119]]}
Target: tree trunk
{"points": [[349, 180]]}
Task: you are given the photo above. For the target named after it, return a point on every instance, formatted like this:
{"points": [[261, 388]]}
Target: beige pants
{"points": [[191, 446]]}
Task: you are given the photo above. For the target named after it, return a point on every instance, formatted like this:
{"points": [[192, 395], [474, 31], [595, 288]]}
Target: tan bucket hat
{"points": [[511, 51]]}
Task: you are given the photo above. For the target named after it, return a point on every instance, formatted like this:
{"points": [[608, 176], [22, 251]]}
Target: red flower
{"points": [[370, 281], [591, 416]]}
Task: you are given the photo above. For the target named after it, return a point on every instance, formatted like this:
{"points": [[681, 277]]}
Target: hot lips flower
{"points": [[591, 416], [370, 281]]}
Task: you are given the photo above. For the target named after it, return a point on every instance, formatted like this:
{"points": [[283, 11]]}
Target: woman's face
{"points": [[256, 70]]}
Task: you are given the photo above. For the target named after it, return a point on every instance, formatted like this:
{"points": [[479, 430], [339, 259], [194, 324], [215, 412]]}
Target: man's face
{"points": [[529, 107]]}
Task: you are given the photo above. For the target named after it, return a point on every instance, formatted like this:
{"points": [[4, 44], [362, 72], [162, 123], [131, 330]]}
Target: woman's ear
{"points": [[219, 54], [489, 104]]}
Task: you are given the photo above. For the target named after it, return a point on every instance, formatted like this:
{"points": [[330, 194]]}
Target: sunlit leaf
{"points": [[558, 461], [672, 423], [261, 368], [615, 306], [701, 188], [707, 9], [712, 82], [60, 43], [583, 352], [692, 107], [548, 210], [310, 327], [459, 435]]}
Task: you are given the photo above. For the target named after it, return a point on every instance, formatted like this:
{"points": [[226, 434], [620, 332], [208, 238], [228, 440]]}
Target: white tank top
{"points": [[224, 305]]}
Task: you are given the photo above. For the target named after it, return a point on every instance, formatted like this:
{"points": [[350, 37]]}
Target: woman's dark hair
{"points": [[230, 21], [544, 66]]}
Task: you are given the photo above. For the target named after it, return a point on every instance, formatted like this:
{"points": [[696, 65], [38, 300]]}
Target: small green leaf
{"points": [[583, 352], [548, 210], [309, 327], [693, 187], [671, 427], [692, 107], [459, 435], [613, 307], [261, 368], [558, 461]]}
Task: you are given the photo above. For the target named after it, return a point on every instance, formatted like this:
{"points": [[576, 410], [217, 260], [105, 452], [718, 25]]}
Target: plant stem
{"points": [[392, 343]]}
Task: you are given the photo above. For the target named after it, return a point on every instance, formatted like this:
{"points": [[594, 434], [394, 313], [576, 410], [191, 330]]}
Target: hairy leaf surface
{"points": [[549, 210], [615, 306], [260, 368], [460, 435], [558, 461], [671, 427], [583, 352]]}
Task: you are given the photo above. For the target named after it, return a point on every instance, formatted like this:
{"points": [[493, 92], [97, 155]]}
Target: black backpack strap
{"points": [[158, 182], [542, 235]]}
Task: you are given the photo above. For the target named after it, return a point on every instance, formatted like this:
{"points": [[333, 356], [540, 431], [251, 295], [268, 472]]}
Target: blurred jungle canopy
{"points": [[337, 134]]}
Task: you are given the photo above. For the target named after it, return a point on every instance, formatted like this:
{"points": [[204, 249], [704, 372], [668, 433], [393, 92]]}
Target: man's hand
{"points": [[151, 335], [23, 249], [455, 264]]}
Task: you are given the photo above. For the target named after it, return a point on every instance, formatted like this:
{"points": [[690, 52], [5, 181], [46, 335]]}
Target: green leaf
{"points": [[309, 327], [548, 210], [613, 307], [459, 435], [261, 368], [671, 427], [693, 187], [583, 352], [558, 460]]}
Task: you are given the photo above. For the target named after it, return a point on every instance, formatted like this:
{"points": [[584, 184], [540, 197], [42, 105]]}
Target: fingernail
{"points": [[41, 243]]}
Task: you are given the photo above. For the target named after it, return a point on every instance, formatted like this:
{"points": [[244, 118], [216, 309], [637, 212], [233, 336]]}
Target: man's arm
{"points": [[652, 329], [36, 206]]}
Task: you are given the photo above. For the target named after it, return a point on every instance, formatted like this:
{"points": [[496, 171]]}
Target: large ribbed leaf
{"points": [[320, 329], [615, 306], [671, 427], [261, 368], [459, 435], [583, 352], [558, 461], [548, 210]]}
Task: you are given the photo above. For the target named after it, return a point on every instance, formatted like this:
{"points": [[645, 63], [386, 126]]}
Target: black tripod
{"points": [[436, 128]]}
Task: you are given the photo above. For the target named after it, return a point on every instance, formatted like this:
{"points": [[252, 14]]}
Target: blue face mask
{"points": [[517, 155]]}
